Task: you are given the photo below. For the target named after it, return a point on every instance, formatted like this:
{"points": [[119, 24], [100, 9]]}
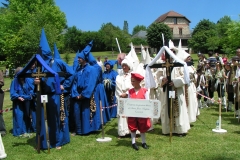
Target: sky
{"points": [[89, 15]]}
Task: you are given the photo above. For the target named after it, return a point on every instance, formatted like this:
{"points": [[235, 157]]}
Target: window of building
{"points": [[175, 20], [180, 31]]}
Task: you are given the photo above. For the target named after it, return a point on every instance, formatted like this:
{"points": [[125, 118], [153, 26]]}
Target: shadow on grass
{"points": [[220, 157], [237, 132]]}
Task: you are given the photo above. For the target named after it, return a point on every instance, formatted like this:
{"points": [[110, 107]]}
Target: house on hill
{"points": [[179, 25]]}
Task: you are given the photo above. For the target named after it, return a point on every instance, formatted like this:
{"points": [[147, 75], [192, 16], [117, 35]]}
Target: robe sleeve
{"points": [[13, 93], [118, 91], [90, 82], [67, 83], [178, 82], [114, 76], [74, 92]]}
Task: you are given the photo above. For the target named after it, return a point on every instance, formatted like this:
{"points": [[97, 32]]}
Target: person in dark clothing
{"points": [[2, 124]]}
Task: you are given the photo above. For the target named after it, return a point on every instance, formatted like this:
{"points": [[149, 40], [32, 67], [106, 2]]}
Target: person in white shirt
{"points": [[99, 62]]}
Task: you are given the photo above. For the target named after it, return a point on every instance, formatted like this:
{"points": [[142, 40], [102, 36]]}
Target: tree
{"points": [[138, 28], [72, 39], [213, 43], [109, 33], [222, 27], [139, 41], [154, 34], [23, 21], [125, 26], [233, 34], [203, 30]]}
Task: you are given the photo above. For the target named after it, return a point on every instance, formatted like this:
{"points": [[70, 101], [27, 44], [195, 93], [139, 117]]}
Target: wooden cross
{"points": [[169, 66], [39, 75]]}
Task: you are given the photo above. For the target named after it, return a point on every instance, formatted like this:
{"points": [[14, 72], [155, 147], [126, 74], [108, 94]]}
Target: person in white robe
{"points": [[123, 84], [190, 90]]}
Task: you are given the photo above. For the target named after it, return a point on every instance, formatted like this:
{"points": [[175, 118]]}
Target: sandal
{"points": [[73, 134], [59, 147]]}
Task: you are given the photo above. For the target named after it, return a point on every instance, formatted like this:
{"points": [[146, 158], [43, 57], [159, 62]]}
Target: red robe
{"points": [[135, 123]]}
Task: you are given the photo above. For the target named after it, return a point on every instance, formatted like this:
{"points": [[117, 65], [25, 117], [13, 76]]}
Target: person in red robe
{"points": [[135, 123]]}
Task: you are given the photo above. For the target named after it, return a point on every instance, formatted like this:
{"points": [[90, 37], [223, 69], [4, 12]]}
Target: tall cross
{"points": [[169, 66], [39, 74]]}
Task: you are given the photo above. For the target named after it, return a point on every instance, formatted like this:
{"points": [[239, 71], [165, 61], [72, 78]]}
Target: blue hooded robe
{"points": [[58, 131], [83, 84], [21, 109], [109, 79]]}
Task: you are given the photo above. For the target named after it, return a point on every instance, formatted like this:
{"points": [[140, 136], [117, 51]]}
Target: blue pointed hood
{"points": [[87, 55], [75, 62], [88, 48], [56, 53], [46, 51], [111, 63]]}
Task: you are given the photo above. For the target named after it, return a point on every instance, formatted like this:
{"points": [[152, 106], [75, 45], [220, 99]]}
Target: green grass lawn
{"points": [[200, 143]]}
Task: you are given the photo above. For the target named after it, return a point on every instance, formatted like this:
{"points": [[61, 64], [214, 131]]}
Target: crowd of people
{"points": [[91, 86]]}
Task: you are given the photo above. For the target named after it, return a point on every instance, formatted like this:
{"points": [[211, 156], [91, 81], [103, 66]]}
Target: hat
{"points": [[106, 57], [110, 62], [81, 55], [128, 62], [235, 58], [182, 54], [137, 76], [228, 63], [56, 53], [46, 51]]}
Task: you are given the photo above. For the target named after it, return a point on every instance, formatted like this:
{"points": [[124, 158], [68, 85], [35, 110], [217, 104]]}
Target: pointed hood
{"points": [[143, 54], [147, 59], [75, 62], [180, 44], [46, 51], [87, 55], [182, 54], [128, 61], [56, 53], [111, 63], [134, 57]]}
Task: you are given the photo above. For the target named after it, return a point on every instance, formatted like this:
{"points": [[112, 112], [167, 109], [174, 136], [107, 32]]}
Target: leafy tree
{"points": [[23, 21], [138, 28], [72, 39], [109, 33], [125, 26], [139, 41], [203, 30], [233, 33], [213, 43], [154, 34], [222, 27]]}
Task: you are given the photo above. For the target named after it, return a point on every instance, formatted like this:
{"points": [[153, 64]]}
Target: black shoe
{"points": [[144, 145], [134, 145]]}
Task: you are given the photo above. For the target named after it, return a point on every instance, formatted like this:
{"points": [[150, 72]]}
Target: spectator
{"points": [[2, 124], [224, 58], [99, 62]]}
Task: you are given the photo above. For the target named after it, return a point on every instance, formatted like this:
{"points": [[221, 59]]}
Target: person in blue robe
{"points": [[99, 92], [82, 90], [33, 105], [109, 80], [57, 129], [21, 94]]}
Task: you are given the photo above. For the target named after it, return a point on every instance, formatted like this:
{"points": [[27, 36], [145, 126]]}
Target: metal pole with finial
{"points": [[103, 139]]}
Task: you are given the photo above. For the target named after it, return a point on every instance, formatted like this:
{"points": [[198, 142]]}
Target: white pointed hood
{"points": [[143, 54]]}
